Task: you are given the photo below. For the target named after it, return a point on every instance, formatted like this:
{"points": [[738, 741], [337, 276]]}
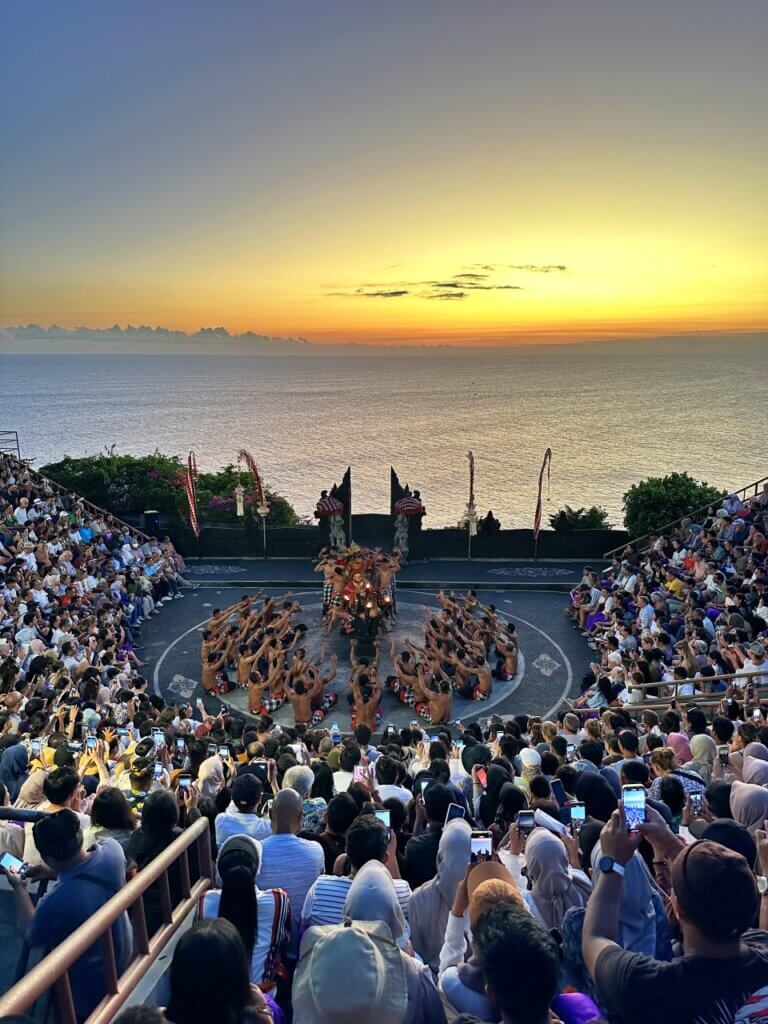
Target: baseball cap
{"points": [[715, 889]]}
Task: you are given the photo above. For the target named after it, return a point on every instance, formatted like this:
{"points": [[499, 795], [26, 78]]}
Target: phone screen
{"points": [[158, 772], [558, 791], [35, 748], [454, 811], [697, 802], [499, 733], [224, 752], [12, 864], [481, 847], [578, 817], [90, 743], [185, 781], [359, 774], [482, 777], [211, 749], [634, 806], [525, 822], [180, 745], [384, 816], [570, 752]]}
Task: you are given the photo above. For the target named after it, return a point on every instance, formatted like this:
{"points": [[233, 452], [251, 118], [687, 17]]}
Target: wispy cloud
{"points": [[477, 277]]}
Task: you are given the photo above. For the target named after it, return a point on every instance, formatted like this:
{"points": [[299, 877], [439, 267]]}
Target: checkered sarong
{"points": [[273, 704]]}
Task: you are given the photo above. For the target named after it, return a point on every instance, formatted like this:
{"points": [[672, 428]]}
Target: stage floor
{"points": [[553, 660]]}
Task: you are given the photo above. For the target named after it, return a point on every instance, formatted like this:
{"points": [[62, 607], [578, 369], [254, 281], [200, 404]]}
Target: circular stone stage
{"points": [[553, 655]]}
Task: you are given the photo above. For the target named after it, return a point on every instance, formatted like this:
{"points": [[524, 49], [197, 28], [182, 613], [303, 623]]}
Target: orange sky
{"points": [[380, 173]]}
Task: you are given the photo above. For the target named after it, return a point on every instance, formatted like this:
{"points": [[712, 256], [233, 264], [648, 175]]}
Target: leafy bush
{"points": [[130, 484], [652, 503], [592, 518]]}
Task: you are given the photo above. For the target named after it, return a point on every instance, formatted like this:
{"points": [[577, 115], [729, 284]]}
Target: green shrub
{"points": [[652, 503]]}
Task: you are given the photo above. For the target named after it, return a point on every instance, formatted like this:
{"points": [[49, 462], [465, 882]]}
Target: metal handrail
{"points": [[82, 501], [741, 492], [698, 698], [53, 970], [9, 443]]}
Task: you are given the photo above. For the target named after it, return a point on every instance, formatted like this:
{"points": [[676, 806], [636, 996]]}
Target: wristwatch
{"points": [[608, 864], [762, 885]]}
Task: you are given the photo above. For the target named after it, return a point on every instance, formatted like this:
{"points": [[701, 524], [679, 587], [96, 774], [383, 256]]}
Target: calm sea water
{"points": [[612, 413]]}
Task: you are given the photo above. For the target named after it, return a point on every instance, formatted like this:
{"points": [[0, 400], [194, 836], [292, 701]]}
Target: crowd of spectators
{"points": [[670, 619], [495, 871]]}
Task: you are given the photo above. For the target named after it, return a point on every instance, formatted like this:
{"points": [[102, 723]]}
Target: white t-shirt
{"points": [[398, 792]]}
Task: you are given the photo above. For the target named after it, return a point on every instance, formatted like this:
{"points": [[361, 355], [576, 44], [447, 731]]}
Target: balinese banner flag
{"points": [[191, 492], [248, 459], [546, 464]]}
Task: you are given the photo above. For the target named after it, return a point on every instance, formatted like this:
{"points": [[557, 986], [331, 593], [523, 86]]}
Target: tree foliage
{"points": [[652, 503], [592, 518], [129, 484]]}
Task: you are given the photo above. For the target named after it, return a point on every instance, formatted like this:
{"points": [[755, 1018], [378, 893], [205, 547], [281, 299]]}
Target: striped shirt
{"points": [[325, 901]]}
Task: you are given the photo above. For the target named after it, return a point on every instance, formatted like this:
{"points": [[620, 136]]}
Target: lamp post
{"points": [[240, 501], [263, 511]]}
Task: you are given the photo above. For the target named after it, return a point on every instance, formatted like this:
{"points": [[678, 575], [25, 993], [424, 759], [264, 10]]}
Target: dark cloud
{"points": [[471, 277], [530, 268], [442, 296], [362, 293]]}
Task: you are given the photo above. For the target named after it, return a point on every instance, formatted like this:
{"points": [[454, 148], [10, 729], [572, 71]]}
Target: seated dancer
{"points": [[366, 698], [337, 607], [438, 707], [402, 683]]}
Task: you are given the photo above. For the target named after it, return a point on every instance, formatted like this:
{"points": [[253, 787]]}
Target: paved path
{"points": [[553, 659], [502, 575]]}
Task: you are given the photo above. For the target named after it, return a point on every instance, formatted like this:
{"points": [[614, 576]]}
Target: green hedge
{"points": [[131, 484]]}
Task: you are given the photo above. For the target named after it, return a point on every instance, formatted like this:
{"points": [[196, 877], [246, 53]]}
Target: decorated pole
{"points": [[190, 489], [546, 464], [471, 511], [262, 508]]}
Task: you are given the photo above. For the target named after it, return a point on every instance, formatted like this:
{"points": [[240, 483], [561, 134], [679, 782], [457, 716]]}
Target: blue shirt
{"points": [[293, 864], [77, 895]]}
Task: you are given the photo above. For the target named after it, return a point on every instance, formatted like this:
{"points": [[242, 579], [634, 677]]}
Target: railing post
{"points": [[139, 921], [110, 963], [64, 1001]]}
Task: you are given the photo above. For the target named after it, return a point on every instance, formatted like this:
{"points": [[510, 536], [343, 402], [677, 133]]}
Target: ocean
{"points": [[612, 413]]}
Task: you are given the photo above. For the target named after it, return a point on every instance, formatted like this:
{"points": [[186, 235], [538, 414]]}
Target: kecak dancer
{"points": [[358, 589]]}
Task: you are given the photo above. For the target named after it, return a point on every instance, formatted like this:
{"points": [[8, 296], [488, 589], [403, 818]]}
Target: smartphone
{"points": [[185, 781], [482, 777], [74, 746], [34, 747], [570, 752], [757, 714], [481, 847], [499, 734], [722, 752], [454, 811], [297, 749], [578, 817], [525, 822], [13, 865], [359, 774], [158, 772], [181, 746], [459, 744], [224, 752], [211, 749], [90, 743], [634, 806], [384, 816], [697, 802], [558, 791]]}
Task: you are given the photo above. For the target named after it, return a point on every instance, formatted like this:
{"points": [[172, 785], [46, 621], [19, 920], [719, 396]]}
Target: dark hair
{"points": [[568, 776], [323, 784], [549, 763], [540, 788], [58, 836], [237, 870], [59, 786], [367, 839], [723, 728], [160, 814], [592, 750], [629, 741], [349, 757], [363, 735], [246, 792], [437, 751], [212, 953], [697, 721], [437, 799], [110, 809], [138, 1015], [672, 792], [342, 811], [386, 770], [518, 960], [636, 772]]}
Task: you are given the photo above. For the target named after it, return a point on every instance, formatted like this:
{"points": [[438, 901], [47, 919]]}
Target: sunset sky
{"points": [[434, 171]]}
